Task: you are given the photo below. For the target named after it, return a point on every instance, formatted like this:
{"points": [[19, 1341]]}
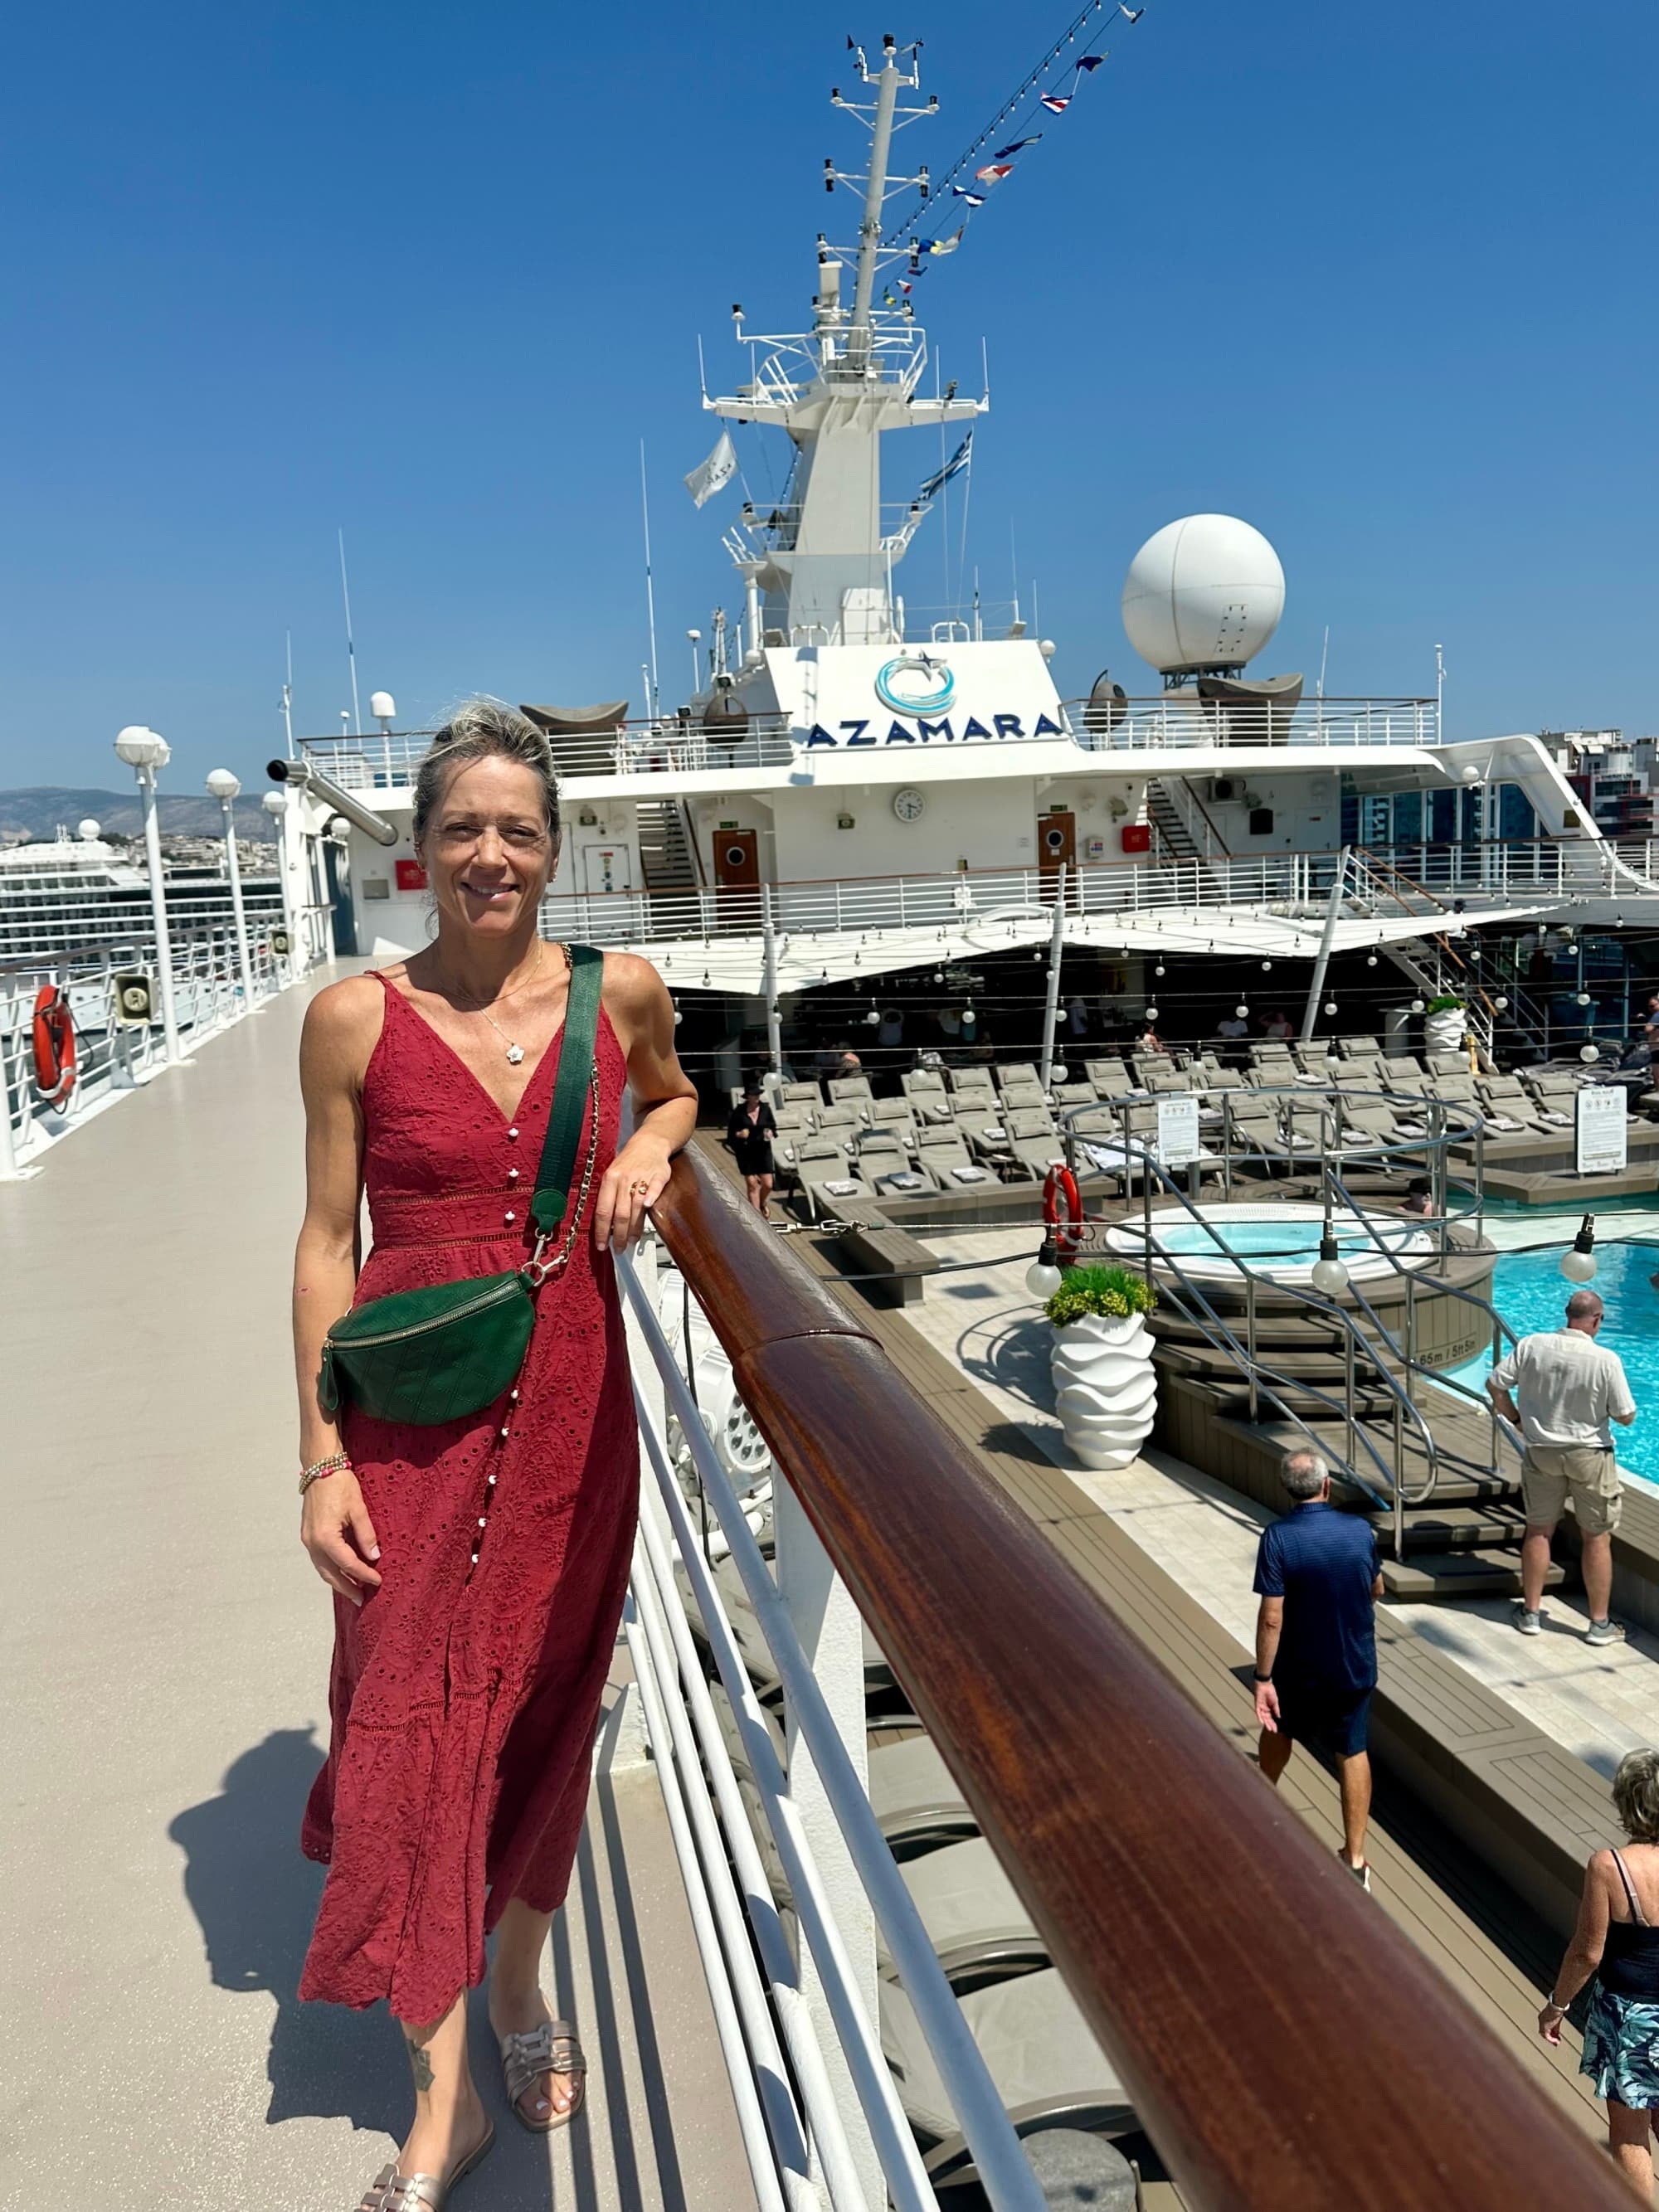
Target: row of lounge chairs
{"points": [[1041, 2055]]}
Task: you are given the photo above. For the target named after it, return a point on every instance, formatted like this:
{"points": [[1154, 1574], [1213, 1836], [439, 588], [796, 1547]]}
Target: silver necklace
{"points": [[514, 1051]]}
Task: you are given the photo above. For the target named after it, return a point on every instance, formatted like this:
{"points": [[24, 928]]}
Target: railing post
{"points": [[830, 1633]]}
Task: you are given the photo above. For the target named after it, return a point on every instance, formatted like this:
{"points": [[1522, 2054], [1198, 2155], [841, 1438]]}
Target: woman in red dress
{"points": [[479, 1567]]}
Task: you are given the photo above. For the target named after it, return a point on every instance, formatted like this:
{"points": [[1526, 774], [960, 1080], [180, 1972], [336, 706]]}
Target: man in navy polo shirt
{"points": [[1316, 1641]]}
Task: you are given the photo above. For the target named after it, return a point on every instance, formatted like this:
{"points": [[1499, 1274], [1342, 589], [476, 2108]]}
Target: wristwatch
{"points": [[1264, 1677]]}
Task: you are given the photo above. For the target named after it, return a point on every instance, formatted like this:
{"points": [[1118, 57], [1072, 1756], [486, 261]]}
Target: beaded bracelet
{"points": [[335, 1463]]}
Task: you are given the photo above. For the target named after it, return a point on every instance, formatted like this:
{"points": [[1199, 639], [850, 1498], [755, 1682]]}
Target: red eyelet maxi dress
{"points": [[464, 1697]]}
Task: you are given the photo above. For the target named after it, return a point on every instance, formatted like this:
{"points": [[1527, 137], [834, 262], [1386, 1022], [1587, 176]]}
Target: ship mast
{"points": [[887, 81], [817, 567]]}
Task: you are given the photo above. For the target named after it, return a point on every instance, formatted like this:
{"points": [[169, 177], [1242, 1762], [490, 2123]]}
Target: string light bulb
{"points": [[1042, 1277], [1329, 1275], [1578, 1261]]}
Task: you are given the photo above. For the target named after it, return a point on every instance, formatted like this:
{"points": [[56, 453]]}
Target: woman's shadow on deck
{"points": [[256, 1899]]}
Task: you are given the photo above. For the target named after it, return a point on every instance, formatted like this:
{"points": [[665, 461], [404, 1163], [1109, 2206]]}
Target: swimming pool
{"points": [[1530, 1291], [1281, 1241]]}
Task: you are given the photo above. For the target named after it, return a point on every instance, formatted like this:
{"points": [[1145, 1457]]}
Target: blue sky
{"points": [[1379, 280]]}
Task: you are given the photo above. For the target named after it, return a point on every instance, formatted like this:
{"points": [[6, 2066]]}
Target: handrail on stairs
{"points": [[1253, 1371]]}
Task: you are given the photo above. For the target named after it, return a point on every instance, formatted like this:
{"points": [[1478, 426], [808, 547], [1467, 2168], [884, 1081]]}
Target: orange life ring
{"points": [[54, 1046], [1061, 1183]]}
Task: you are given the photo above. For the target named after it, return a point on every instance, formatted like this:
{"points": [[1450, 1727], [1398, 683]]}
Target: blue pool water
{"points": [[1529, 1290]]}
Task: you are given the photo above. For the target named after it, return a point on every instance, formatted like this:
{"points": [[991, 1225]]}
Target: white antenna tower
{"points": [[351, 650], [650, 589], [288, 695]]}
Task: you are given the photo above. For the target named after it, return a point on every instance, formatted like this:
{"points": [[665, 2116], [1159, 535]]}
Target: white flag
{"points": [[716, 472]]}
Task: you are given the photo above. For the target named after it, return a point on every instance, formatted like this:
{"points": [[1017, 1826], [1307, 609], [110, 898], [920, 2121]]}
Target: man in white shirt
{"points": [[1569, 1388]]}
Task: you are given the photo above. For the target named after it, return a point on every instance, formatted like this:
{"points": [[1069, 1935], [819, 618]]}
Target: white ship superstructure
{"points": [[850, 793]]}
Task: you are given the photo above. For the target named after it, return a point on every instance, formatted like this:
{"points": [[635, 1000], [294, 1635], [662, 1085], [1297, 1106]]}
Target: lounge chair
{"points": [[1017, 1074], [852, 1087], [923, 1082], [842, 1114], [1357, 1048], [1033, 1141], [913, 1795], [1110, 1077], [827, 1177], [970, 1909], [1508, 1099], [1040, 2053], [894, 1116], [976, 1080], [940, 1151], [874, 1145], [1068, 1095], [801, 1094]]}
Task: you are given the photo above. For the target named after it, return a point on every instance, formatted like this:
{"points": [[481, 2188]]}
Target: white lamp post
{"points": [[275, 806], [145, 752], [223, 786], [696, 638]]}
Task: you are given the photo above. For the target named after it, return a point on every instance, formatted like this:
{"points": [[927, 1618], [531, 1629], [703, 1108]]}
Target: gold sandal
{"points": [[391, 2191], [552, 2048]]}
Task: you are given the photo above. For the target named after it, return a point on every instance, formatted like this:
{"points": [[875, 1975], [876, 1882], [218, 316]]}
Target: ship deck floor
{"points": [[1172, 1559], [164, 1648]]}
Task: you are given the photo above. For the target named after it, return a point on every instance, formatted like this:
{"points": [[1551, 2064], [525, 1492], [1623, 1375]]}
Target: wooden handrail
{"points": [[1285, 2045]]}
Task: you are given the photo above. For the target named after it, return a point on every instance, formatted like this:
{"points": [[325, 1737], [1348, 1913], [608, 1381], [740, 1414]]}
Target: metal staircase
{"points": [[1169, 826], [668, 857], [1422, 1454]]}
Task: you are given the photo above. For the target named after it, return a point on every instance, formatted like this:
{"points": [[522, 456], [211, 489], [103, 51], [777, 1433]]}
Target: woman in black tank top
{"points": [[1616, 1944]]}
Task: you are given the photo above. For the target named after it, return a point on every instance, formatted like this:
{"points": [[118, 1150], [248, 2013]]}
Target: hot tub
{"points": [[1281, 1242]]}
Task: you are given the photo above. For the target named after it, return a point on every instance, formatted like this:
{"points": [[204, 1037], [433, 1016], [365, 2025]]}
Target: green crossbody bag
{"points": [[450, 1349]]}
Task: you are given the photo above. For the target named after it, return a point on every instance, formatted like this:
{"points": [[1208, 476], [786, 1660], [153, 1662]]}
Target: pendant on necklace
{"points": [[515, 1053]]}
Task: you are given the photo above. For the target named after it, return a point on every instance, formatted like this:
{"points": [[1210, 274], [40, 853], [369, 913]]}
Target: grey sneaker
{"points": [[1528, 1623], [1604, 1632]]}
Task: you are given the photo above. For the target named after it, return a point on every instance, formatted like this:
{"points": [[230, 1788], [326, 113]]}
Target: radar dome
{"points": [[1204, 593], [88, 829]]}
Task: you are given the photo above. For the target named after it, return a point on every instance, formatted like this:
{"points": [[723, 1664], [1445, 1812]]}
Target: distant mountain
{"points": [[39, 808]]}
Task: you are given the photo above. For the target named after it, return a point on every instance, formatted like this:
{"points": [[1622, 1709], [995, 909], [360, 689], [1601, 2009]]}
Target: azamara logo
{"points": [[913, 684]]}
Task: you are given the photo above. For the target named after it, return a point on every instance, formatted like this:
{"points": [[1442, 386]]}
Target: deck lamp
{"points": [[145, 751], [1500, 1005], [1590, 1053], [1578, 1264], [1330, 1007], [1329, 1275], [1159, 970], [1417, 1005], [1152, 1013], [1042, 1277], [1371, 960], [223, 784], [1241, 1014]]}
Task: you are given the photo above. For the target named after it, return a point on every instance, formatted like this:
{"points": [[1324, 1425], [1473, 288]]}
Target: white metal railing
{"points": [[113, 1056], [680, 744], [1180, 720], [1519, 869], [753, 1975], [1289, 883]]}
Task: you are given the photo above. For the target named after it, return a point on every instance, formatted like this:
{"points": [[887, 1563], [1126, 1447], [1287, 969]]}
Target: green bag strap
{"points": [[564, 1122]]}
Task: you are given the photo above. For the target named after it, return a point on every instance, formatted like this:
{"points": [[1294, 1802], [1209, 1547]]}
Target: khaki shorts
{"points": [[1552, 1473]]}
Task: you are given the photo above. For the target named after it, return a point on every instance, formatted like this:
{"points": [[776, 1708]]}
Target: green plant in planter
{"points": [[1446, 1005], [1113, 1293]]}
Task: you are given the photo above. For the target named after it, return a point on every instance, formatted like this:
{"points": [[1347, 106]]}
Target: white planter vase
{"points": [[1444, 1031], [1105, 1387]]}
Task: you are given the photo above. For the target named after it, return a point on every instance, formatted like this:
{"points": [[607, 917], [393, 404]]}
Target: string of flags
{"points": [[972, 178]]}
